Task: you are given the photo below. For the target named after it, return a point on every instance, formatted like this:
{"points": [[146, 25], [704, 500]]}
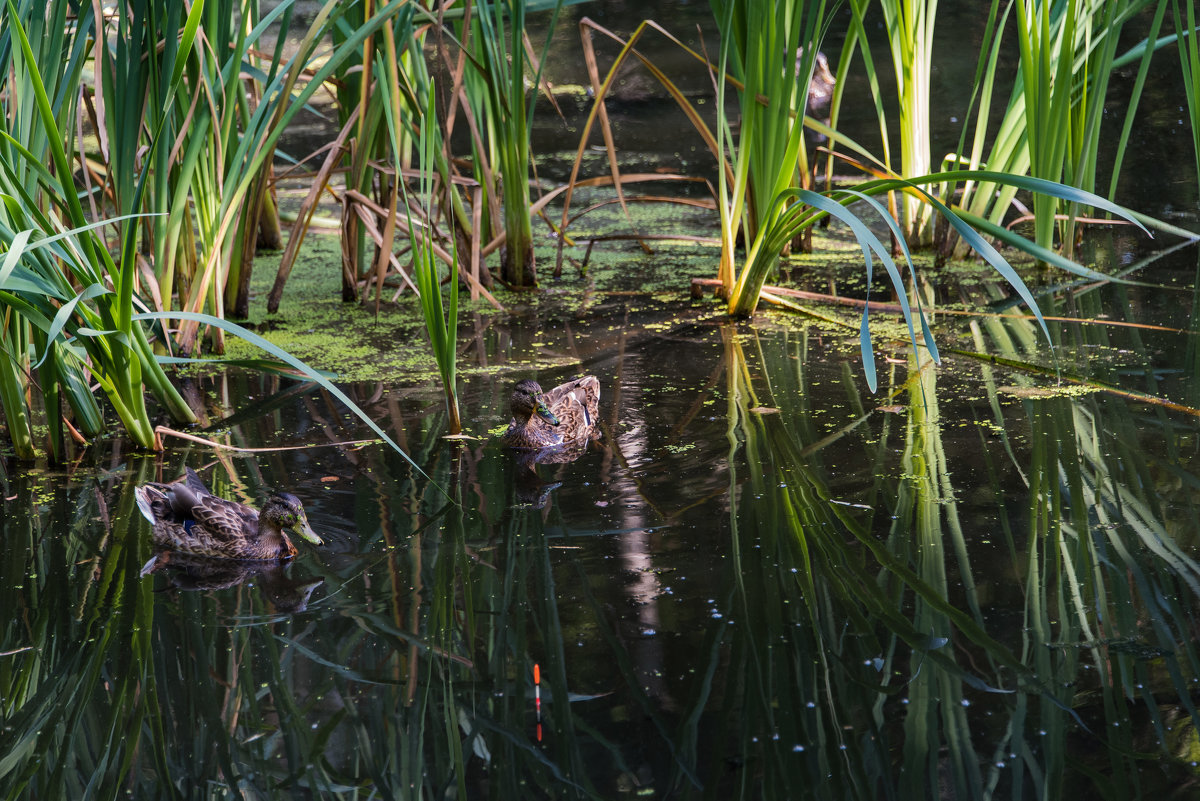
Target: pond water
{"points": [[763, 582]]}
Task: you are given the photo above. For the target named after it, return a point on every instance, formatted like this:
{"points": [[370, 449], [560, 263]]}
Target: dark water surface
{"points": [[765, 583]]}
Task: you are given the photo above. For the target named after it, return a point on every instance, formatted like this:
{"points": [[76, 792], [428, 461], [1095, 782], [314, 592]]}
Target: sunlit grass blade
{"points": [[440, 324], [910, 28], [1189, 62], [764, 152], [799, 209], [496, 44], [1056, 116], [119, 360], [284, 97]]}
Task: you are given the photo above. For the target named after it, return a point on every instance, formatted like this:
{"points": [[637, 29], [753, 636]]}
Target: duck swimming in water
{"points": [[564, 417], [188, 518]]}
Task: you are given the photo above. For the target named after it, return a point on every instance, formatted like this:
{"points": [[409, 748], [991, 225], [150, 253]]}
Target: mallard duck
{"points": [[189, 518], [564, 417]]}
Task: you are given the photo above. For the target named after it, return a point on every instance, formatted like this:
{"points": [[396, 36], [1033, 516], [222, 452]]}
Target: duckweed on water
{"points": [[358, 344], [1047, 392]]}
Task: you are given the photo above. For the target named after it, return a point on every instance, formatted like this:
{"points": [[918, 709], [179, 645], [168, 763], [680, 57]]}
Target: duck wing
{"points": [[225, 520], [183, 500]]}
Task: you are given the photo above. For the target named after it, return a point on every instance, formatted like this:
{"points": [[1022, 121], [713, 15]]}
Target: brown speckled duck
{"points": [[564, 417], [189, 518]]}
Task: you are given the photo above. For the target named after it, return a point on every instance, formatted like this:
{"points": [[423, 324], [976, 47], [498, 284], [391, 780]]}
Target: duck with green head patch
{"points": [[563, 417], [188, 518]]}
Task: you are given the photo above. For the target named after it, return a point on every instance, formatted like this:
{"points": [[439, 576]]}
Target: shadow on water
{"points": [[761, 584]]}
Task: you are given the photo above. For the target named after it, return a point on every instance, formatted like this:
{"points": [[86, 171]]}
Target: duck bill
{"points": [[543, 411], [305, 531]]}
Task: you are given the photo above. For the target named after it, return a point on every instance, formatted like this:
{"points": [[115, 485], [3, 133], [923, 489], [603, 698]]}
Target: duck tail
{"points": [[145, 501], [194, 482]]}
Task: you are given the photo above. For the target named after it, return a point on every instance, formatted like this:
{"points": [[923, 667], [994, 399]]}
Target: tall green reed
{"points": [[1052, 125], [383, 74], [69, 305], [910, 26], [225, 130], [1047, 69], [169, 122], [498, 48], [757, 168], [70, 308], [441, 322], [1189, 62], [764, 155], [803, 208], [386, 78]]}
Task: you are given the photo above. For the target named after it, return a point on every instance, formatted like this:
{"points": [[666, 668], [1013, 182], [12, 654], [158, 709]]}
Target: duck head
{"points": [[284, 510], [528, 400]]}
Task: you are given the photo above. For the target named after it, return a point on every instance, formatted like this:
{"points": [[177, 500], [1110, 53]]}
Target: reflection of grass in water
{"points": [[407, 677], [1102, 563], [905, 595], [70, 701], [835, 621]]}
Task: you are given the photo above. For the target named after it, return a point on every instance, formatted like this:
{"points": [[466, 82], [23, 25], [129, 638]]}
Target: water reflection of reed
{"points": [[880, 661], [1111, 580], [875, 630], [409, 675], [75, 643]]}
